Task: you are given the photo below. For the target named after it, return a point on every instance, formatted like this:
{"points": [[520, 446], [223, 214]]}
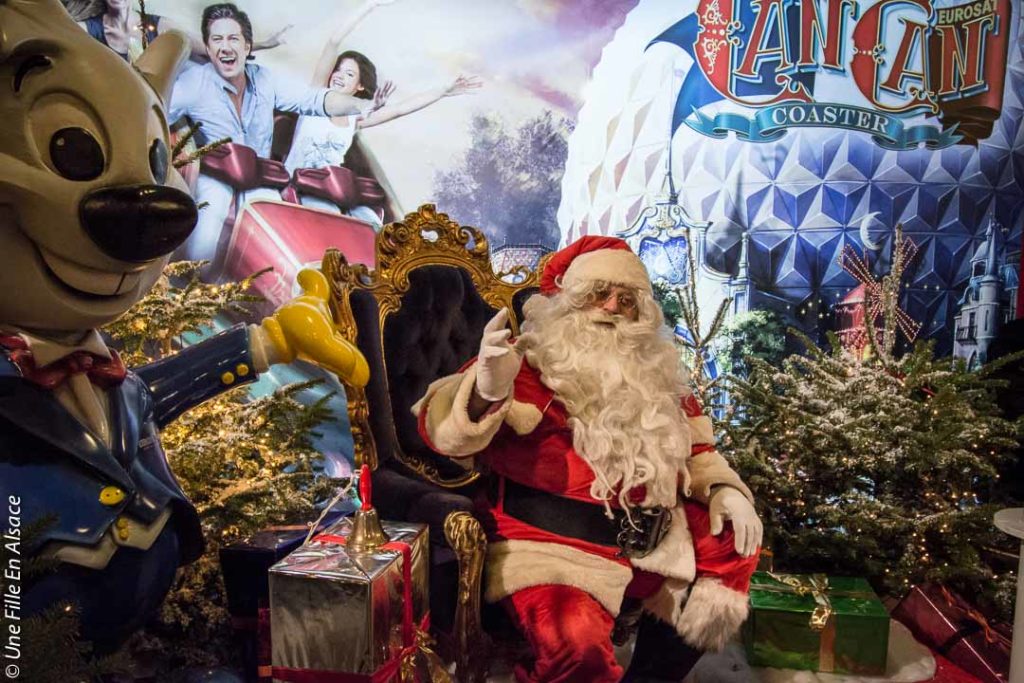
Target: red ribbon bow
{"points": [[105, 373]]}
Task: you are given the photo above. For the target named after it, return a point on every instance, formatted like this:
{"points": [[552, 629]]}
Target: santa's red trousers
{"points": [[570, 632]]}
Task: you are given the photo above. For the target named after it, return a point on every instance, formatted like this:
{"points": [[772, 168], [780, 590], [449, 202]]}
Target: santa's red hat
{"points": [[594, 257]]}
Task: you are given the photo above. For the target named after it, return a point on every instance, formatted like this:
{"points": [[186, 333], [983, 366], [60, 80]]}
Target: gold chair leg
{"points": [[471, 647]]}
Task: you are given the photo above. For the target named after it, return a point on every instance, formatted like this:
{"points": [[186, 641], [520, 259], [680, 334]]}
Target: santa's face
{"points": [[614, 300]]}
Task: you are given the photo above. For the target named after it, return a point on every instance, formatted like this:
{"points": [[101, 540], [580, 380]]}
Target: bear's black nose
{"points": [[138, 222]]}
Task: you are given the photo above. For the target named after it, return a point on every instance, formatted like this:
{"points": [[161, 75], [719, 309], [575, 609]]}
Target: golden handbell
{"points": [[367, 532]]}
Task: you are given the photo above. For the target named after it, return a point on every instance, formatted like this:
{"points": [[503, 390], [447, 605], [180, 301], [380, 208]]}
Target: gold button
{"points": [[122, 534], [111, 495], [227, 378], [242, 369], [121, 523]]}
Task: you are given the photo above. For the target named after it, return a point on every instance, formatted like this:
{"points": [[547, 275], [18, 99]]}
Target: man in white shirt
{"points": [[235, 100]]}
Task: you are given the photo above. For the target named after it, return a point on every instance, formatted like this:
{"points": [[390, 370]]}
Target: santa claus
{"points": [[606, 483]]}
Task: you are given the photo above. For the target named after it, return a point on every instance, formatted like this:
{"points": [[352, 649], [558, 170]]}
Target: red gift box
{"points": [[289, 237], [948, 624]]}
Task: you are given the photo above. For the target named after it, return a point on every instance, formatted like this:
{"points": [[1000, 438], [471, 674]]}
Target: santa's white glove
{"points": [[498, 362], [728, 503]]}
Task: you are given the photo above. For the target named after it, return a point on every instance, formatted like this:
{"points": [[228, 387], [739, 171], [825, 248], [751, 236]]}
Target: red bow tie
{"points": [[105, 373]]}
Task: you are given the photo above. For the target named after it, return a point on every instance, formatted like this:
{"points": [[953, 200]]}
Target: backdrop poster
{"points": [[766, 136]]}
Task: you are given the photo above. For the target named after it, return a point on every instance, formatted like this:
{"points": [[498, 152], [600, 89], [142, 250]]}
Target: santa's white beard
{"points": [[621, 383]]}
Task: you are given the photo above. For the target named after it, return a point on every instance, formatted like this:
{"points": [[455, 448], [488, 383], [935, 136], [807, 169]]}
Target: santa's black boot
{"points": [[660, 655]]}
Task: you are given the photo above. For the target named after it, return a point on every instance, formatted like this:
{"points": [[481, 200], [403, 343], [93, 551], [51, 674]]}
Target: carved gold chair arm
{"points": [[471, 645]]}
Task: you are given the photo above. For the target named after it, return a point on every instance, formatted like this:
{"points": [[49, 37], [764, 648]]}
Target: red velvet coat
{"points": [[527, 440]]}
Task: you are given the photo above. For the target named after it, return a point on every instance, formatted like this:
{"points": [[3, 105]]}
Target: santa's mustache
{"points": [[605, 319], [594, 321]]}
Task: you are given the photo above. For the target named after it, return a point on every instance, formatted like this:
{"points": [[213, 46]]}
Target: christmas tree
{"points": [[868, 463], [178, 304], [245, 463], [751, 334]]}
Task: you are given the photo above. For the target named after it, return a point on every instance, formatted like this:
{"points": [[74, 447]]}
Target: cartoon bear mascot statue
{"points": [[90, 210]]}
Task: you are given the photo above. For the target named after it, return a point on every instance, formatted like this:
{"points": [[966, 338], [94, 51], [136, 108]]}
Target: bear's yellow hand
{"points": [[302, 328]]}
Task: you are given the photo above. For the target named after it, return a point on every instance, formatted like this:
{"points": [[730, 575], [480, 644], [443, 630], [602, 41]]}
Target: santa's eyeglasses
{"points": [[624, 298]]}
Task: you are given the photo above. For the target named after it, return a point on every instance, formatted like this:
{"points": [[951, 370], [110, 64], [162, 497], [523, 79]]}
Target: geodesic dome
{"points": [[802, 198]]}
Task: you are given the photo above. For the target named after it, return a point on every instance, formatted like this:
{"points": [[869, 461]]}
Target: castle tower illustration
{"points": [[988, 300]]}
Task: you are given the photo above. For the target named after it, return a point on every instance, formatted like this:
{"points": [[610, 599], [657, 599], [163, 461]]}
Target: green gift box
{"points": [[814, 622]]}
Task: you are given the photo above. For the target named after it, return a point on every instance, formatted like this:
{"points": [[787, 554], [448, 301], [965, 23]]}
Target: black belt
{"points": [[583, 521]]}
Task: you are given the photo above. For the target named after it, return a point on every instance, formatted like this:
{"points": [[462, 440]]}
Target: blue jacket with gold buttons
{"points": [[78, 491]]}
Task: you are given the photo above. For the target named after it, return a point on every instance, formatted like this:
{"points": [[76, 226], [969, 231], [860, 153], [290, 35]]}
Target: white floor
{"points": [[909, 662]]}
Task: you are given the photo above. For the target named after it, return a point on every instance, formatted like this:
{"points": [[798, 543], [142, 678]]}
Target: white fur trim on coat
{"points": [[523, 418], [701, 431], [447, 421], [673, 558], [618, 266], [712, 616], [515, 565], [667, 603], [710, 469]]}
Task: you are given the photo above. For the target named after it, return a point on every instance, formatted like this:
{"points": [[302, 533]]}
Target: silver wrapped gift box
{"points": [[337, 611]]}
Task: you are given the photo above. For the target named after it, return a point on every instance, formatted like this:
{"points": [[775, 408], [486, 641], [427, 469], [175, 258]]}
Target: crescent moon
{"points": [[865, 237]]}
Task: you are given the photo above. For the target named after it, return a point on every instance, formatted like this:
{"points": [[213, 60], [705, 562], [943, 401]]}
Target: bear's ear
{"points": [[11, 29], [30, 27], [160, 61]]}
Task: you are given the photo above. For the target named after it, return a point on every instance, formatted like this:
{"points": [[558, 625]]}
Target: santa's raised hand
{"points": [[498, 362]]}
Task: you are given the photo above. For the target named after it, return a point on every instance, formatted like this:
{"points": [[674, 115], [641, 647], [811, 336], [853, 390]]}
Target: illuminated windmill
{"points": [[879, 298]]}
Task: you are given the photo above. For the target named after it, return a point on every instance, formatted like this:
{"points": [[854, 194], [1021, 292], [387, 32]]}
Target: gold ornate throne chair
{"points": [[417, 317]]}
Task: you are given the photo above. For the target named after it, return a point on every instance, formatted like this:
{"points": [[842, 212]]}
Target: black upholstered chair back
{"points": [[417, 317], [434, 332]]}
